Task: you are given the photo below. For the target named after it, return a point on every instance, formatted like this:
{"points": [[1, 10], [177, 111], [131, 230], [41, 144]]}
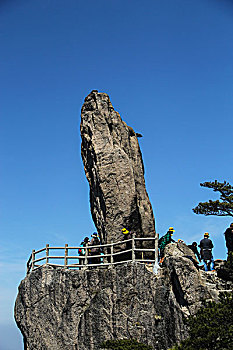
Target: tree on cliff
{"points": [[222, 207], [212, 327]]}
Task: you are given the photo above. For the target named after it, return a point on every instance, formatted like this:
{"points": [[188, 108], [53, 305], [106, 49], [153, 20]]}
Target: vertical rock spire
{"points": [[114, 169]]}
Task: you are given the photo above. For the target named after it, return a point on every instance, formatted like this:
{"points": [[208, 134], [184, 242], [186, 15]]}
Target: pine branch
{"points": [[214, 208], [219, 208]]}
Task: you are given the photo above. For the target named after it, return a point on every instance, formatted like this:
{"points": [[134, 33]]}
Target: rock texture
{"points": [[114, 169], [59, 309]]}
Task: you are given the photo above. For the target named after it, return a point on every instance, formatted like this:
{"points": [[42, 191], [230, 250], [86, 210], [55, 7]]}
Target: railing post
{"points": [[86, 253], [47, 254], [28, 264], [33, 259], [111, 252], [133, 247], [66, 254], [156, 247]]}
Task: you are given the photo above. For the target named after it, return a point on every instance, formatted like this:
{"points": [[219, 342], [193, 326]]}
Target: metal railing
{"points": [[133, 249]]}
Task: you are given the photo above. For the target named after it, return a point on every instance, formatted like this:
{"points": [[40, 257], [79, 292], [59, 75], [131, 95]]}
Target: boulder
{"points": [[114, 169]]}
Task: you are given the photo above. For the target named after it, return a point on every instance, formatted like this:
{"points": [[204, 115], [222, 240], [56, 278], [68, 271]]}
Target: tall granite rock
{"points": [[114, 169], [61, 309]]}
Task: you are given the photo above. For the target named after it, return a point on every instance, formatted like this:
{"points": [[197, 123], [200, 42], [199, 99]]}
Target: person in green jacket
{"points": [[164, 240]]}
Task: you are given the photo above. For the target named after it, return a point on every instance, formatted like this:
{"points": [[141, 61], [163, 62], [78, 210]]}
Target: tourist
{"points": [[229, 238], [127, 235], [193, 247], [81, 252], [96, 250], [86, 244], [163, 241], [206, 246]]}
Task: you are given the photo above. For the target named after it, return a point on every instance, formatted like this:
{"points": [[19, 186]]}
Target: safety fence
{"points": [[134, 249]]}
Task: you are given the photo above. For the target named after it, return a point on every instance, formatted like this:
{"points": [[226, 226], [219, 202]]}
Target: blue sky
{"points": [[168, 69]]}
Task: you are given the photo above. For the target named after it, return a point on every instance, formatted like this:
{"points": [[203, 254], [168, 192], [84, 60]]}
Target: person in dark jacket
{"points": [[229, 238], [193, 247], [127, 235], [206, 246], [95, 250]]}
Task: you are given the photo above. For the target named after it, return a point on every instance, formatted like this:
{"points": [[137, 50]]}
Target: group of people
{"points": [[206, 246], [93, 250]]}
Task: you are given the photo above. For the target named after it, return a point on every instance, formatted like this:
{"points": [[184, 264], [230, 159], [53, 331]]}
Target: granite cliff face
{"points": [[59, 309], [114, 169]]}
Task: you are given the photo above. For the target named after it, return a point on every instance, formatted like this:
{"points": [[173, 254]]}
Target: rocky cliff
{"points": [[68, 309], [115, 172], [60, 309]]}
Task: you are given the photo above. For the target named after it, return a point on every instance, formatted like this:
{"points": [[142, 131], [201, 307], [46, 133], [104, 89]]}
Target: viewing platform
{"points": [[133, 249]]}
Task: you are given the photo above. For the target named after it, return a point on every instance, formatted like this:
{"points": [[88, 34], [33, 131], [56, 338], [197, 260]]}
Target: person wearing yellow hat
{"points": [[206, 246], [126, 235], [128, 245], [164, 240], [124, 231]]}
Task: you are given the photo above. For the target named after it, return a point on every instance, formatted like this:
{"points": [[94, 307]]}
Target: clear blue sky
{"points": [[168, 68]]}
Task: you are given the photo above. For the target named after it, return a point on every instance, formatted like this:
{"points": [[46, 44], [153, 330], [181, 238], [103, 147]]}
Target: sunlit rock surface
{"points": [[114, 169]]}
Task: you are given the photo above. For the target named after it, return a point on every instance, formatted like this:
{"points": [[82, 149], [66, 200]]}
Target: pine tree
{"points": [[222, 207]]}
